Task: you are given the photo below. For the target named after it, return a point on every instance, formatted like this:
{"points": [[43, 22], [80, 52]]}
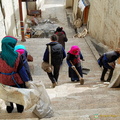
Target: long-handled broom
{"points": [[81, 79]]}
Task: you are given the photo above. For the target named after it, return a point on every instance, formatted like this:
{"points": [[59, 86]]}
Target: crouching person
{"points": [[107, 61]]}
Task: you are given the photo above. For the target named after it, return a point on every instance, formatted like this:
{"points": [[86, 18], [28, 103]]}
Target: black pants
{"points": [[104, 72], [10, 108], [20, 108], [54, 76]]}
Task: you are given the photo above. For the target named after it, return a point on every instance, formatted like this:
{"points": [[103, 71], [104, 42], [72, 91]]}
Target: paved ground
{"points": [[72, 101]]}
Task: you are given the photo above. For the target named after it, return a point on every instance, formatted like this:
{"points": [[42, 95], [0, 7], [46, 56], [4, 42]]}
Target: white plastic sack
{"points": [[35, 95], [115, 81], [43, 107], [22, 96]]}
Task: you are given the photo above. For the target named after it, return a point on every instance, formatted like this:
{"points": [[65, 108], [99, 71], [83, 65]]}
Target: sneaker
{"points": [[102, 80], [72, 80], [54, 84], [108, 81], [81, 81]]}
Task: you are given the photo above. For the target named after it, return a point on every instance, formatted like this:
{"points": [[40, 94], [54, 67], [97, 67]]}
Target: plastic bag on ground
{"points": [[43, 107]]}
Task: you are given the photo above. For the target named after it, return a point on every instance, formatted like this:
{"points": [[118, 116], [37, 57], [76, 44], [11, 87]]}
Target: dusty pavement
{"points": [[72, 101]]}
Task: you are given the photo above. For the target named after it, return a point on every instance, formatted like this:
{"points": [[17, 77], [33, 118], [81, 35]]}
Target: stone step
{"points": [[82, 112], [87, 117], [87, 114], [18, 116], [92, 81], [68, 118], [82, 98]]}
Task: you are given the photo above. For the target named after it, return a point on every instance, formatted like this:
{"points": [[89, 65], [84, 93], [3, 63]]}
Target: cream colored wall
{"points": [[9, 17], [12, 19], [104, 21], [11, 24], [75, 7], [17, 16], [39, 4], [24, 9], [2, 28]]}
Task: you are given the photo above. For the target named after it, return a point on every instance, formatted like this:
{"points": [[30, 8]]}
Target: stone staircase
{"points": [[72, 101]]}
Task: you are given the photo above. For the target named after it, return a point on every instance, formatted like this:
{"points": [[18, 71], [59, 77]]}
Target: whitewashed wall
{"points": [[9, 17], [104, 21], [2, 28], [39, 4], [11, 24], [12, 19]]}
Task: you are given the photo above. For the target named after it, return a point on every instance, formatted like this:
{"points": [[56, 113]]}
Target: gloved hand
{"points": [[112, 64], [83, 59]]}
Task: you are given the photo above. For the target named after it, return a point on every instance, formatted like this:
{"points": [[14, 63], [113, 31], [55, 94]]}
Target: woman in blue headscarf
{"points": [[11, 65]]}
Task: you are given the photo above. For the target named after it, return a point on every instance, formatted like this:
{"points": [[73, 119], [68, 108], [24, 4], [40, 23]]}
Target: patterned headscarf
{"points": [[8, 54], [20, 48], [75, 50]]}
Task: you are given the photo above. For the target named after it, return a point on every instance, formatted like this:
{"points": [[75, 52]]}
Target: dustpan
{"points": [[85, 71]]}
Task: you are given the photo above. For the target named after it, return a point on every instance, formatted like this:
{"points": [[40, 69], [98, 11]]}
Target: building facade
{"points": [[104, 22], [10, 17]]}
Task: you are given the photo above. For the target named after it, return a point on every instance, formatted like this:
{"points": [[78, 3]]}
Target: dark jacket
{"points": [[109, 57], [26, 65], [57, 53], [74, 59], [61, 38]]}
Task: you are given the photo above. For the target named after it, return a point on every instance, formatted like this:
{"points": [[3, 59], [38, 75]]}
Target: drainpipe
{"points": [[21, 21]]}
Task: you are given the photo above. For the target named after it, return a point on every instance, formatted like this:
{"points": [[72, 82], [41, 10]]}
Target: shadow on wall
{"points": [[13, 28], [101, 48]]}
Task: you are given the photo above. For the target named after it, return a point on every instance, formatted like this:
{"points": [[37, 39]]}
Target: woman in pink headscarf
{"points": [[73, 60], [23, 52]]}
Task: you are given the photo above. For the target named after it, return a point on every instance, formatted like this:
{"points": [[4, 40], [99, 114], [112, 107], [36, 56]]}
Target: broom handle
{"points": [[75, 70]]}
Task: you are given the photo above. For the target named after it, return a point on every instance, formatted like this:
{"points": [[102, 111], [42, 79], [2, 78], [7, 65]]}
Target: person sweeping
{"points": [[74, 57]]}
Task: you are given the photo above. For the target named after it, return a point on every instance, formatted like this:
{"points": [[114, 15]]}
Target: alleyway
{"points": [[72, 101]]}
